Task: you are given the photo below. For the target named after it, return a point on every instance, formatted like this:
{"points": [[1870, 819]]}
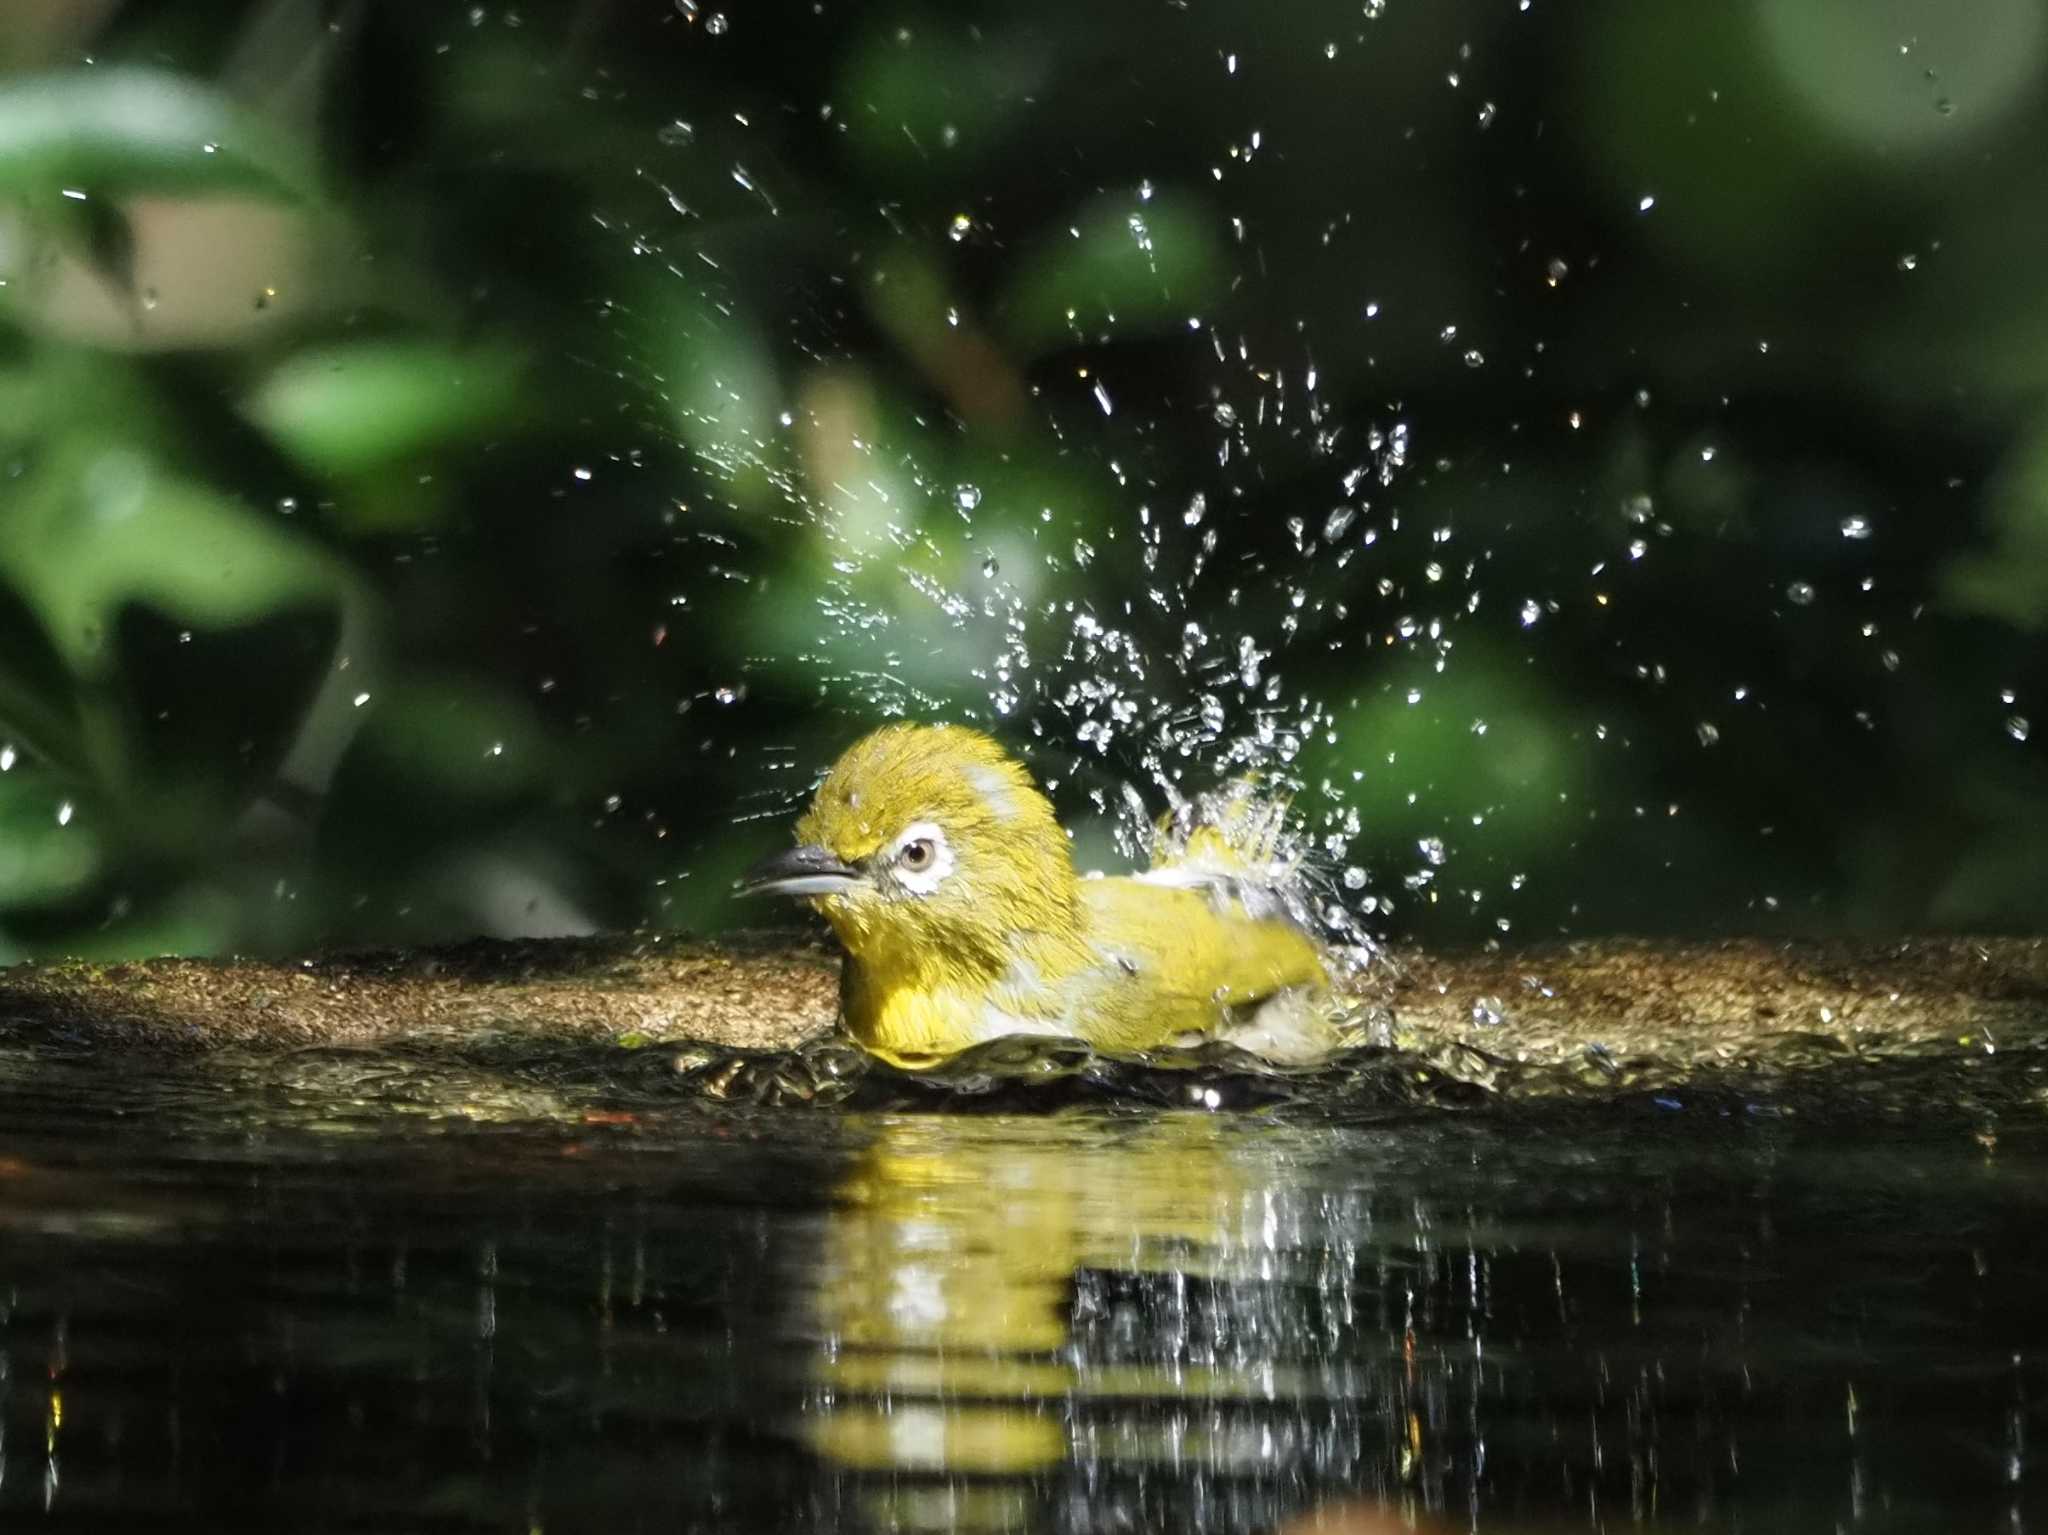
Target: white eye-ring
{"points": [[921, 858]]}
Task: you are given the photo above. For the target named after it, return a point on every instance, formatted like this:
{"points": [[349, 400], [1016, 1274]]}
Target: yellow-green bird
{"points": [[942, 870]]}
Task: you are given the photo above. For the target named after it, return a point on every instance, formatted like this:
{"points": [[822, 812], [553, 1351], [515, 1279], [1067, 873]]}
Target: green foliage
{"points": [[465, 469], [1142, 265], [2008, 581], [132, 130], [352, 408], [1474, 750], [101, 529], [43, 859]]}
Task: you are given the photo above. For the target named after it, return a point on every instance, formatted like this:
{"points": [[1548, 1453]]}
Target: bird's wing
{"points": [[1230, 844], [1172, 961]]}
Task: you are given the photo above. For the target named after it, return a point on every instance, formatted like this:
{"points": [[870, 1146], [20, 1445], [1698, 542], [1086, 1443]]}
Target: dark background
{"points": [[465, 469]]}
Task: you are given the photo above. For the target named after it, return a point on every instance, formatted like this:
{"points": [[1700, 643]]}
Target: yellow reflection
{"points": [[944, 1292]]}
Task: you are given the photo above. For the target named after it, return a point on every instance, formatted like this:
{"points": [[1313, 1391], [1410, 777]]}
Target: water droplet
{"points": [[1800, 594], [716, 25], [676, 135], [1249, 660], [1855, 527], [729, 695], [2018, 726], [1102, 399], [966, 498], [1337, 522], [1474, 358], [961, 227], [1908, 261], [1486, 115], [1354, 878], [7, 759], [1709, 733], [1488, 1012], [989, 567], [1555, 271], [1530, 613], [1432, 849], [64, 813], [1646, 203], [1198, 508]]}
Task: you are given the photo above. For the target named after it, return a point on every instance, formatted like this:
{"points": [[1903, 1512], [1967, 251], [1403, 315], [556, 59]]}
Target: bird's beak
{"points": [[800, 871]]}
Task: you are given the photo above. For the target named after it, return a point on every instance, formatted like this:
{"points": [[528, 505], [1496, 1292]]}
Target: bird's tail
{"points": [[1240, 845], [1233, 842]]}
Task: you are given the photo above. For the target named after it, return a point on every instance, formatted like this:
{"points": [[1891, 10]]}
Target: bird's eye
{"points": [[916, 855]]}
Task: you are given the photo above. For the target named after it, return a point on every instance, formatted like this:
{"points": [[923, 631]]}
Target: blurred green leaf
{"points": [[458, 737], [114, 132], [197, 918], [2000, 870], [2009, 580], [1889, 78], [48, 852], [1657, 107], [1135, 266], [927, 107], [107, 527], [1425, 752], [348, 409]]}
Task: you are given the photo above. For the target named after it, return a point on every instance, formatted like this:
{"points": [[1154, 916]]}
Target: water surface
{"points": [[362, 1292]]}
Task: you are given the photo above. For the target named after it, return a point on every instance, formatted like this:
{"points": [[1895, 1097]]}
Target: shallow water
{"points": [[358, 1291]]}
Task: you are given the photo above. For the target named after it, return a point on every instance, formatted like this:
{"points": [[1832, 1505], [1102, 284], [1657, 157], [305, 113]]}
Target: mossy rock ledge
{"points": [[1727, 1003]]}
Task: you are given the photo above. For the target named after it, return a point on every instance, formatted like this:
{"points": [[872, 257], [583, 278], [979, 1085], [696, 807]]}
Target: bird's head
{"points": [[928, 840]]}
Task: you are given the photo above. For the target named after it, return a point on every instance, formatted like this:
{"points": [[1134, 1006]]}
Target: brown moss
{"points": [[748, 992], [1599, 1005]]}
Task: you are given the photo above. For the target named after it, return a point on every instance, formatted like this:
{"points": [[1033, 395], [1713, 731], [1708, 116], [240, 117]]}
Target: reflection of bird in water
{"points": [[1362, 1518], [939, 864], [945, 1292], [999, 1298]]}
